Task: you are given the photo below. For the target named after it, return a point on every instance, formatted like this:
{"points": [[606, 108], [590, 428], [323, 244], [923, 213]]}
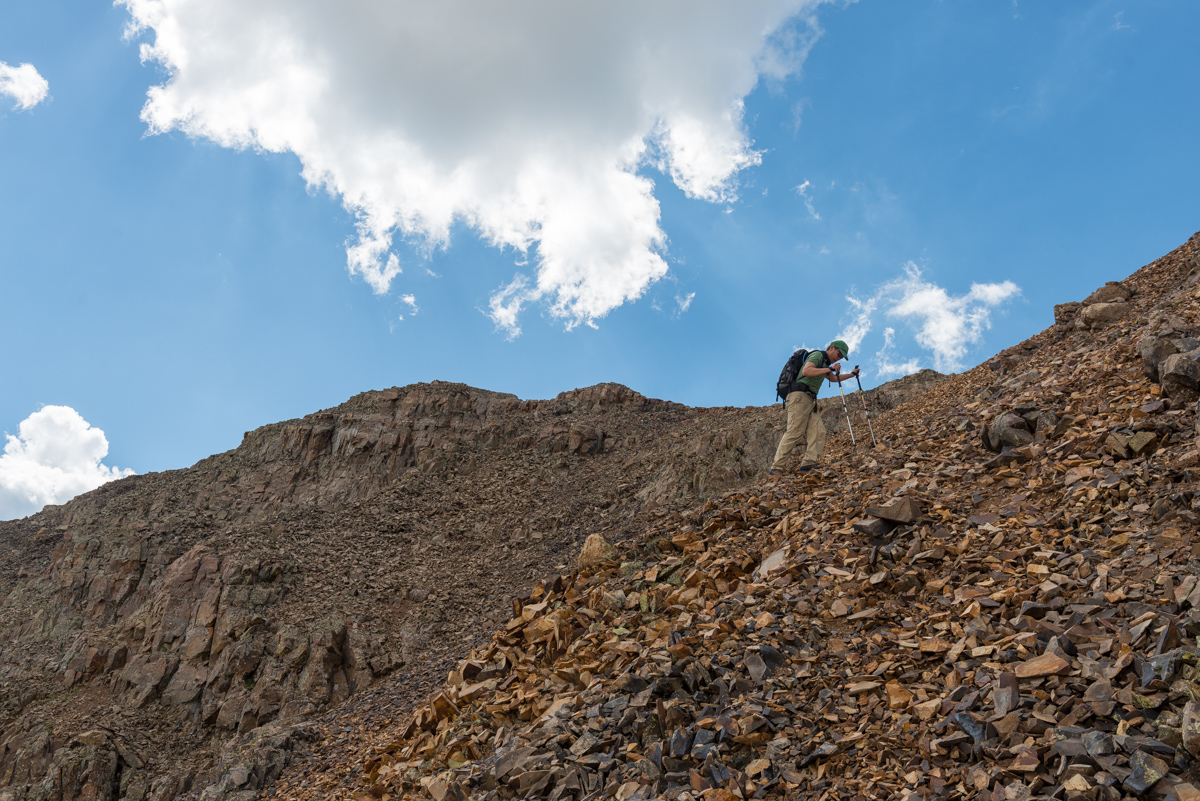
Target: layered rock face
{"points": [[162, 620]]}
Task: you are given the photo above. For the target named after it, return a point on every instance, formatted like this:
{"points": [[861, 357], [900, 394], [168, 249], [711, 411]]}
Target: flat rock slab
{"points": [[902, 510], [1044, 665]]}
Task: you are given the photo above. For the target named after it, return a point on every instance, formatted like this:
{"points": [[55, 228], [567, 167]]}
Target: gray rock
{"points": [[756, 667], [1099, 743], [1180, 377], [1145, 772], [1191, 728], [1007, 695], [1008, 430], [877, 527], [1043, 422], [1185, 344], [1153, 350], [772, 657]]}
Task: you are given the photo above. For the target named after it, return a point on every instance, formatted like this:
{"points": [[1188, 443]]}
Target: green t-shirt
{"points": [[817, 359]]}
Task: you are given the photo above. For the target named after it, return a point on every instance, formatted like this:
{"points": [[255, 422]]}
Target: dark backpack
{"points": [[787, 382]]}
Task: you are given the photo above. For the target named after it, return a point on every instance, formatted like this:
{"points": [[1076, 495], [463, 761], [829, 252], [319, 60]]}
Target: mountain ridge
{"points": [[244, 590], [999, 604]]}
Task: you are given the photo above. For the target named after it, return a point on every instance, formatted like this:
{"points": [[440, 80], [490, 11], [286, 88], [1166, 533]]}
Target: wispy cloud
{"points": [[54, 456], [684, 302], [23, 84], [884, 366], [1118, 23], [411, 302], [802, 190], [860, 326], [945, 326]]}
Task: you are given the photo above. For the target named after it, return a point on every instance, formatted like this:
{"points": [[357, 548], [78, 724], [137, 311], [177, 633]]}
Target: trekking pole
{"points": [[846, 409], [865, 409]]}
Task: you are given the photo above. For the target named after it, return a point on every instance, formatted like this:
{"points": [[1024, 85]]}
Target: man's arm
{"points": [[832, 372], [837, 377], [811, 370]]}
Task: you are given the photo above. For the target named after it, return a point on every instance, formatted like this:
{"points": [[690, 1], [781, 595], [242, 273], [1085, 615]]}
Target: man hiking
{"points": [[803, 420]]}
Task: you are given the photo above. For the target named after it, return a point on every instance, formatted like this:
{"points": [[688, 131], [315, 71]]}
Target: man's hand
{"points": [[854, 372], [835, 368]]}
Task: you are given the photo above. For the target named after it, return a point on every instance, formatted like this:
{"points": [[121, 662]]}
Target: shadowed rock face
{"points": [[268, 584]]}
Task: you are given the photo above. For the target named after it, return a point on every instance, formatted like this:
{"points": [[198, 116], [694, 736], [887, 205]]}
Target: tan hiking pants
{"points": [[803, 422]]}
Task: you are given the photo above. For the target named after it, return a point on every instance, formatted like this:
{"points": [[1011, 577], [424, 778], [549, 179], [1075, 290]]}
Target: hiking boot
{"points": [[804, 468], [775, 473]]}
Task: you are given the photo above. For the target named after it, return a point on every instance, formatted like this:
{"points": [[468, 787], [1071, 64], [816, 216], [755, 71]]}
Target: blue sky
{"points": [[176, 290]]}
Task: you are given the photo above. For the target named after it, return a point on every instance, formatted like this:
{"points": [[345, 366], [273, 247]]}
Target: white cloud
{"points": [[55, 456], [884, 366], [23, 84], [945, 325], [411, 302], [854, 333], [802, 191], [684, 302], [527, 121]]}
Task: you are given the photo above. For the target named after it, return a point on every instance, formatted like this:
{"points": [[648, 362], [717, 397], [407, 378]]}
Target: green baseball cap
{"points": [[843, 347]]}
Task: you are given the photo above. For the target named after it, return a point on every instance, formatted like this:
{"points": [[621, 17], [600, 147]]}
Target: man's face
{"points": [[833, 353]]}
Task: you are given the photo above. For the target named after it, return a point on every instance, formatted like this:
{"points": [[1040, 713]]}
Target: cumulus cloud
{"points": [[530, 122], [55, 456], [945, 325], [23, 84]]}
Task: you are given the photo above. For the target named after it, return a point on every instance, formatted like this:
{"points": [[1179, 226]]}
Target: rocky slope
{"points": [[999, 603], [164, 620]]}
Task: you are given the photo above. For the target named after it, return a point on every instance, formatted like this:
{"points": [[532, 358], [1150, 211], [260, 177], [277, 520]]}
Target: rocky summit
{"points": [[440, 592], [174, 635]]}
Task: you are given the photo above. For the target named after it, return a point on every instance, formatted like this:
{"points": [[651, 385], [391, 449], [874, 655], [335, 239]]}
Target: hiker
{"points": [[803, 420]]}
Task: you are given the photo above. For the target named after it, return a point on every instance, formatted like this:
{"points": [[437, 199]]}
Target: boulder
{"points": [[1065, 313], [1185, 344], [1009, 430], [1112, 292], [1153, 350], [596, 550], [901, 510], [1143, 443], [1099, 315], [1043, 422], [1118, 445], [1180, 377]]}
